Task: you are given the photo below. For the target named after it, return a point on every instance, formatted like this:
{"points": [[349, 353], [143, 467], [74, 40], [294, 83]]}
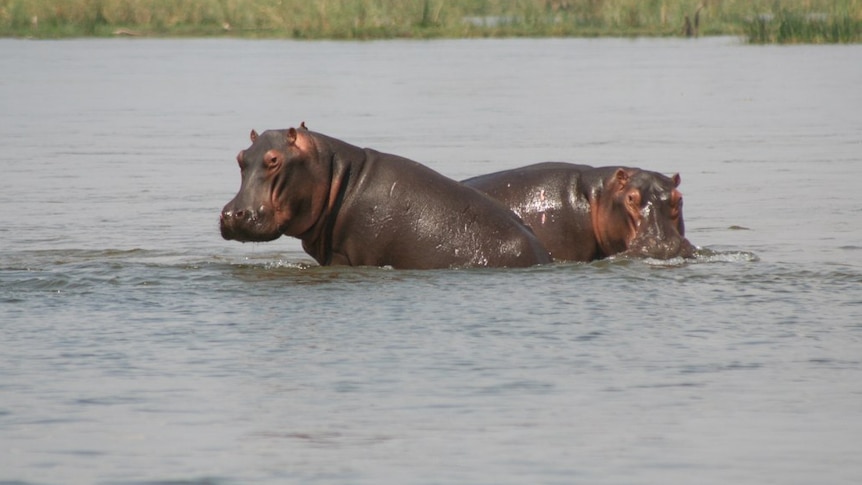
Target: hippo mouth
{"points": [[246, 226], [659, 235], [650, 246]]}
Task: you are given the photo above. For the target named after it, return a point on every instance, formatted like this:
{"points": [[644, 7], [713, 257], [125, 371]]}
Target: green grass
{"points": [[767, 21], [785, 26]]}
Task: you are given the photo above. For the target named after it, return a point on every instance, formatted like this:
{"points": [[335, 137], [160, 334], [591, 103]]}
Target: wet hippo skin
{"points": [[360, 207], [584, 213]]}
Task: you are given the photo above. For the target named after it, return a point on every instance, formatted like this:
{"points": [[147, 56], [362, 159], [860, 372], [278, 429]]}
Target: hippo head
{"points": [[639, 213], [284, 187]]}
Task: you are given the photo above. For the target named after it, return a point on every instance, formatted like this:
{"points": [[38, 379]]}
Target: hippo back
{"points": [[548, 197]]}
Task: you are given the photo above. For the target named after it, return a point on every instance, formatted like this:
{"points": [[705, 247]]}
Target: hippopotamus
{"points": [[360, 207], [584, 213]]}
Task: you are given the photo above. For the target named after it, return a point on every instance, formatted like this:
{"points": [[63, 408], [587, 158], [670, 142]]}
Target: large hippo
{"points": [[359, 207], [582, 213]]}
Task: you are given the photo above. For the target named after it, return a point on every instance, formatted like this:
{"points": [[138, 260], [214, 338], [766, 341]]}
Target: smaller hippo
{"points": [[359, 207], [583, 213]]}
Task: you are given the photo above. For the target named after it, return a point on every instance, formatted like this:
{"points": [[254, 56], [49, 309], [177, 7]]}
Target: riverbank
{"points": [[759, 21]]}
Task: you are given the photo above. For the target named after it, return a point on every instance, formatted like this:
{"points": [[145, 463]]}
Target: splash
{"points": [[701, 255], [706, 255], [285, 264]]}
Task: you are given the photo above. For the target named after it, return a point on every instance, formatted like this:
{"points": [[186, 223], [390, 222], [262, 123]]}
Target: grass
{"points": [[783, 26], [762, 21]]}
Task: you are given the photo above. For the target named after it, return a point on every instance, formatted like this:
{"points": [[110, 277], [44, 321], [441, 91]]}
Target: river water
{"points": [[138, 347]]}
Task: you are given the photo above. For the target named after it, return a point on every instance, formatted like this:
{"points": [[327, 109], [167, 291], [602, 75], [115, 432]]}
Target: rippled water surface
{"points": [[138, 347]]}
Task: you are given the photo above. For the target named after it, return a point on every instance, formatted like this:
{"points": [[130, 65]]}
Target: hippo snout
{"points": [[231, 220], [686, 249], [661, 248], [246, 224], [675, 248], [229, 215]]}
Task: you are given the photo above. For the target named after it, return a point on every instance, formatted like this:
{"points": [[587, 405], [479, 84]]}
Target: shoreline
{"points": [[756, 21]]}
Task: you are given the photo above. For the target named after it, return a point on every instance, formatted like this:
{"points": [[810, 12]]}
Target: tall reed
{"points": [[784, 26]]}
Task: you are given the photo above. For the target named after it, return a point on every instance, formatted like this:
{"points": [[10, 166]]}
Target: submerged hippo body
{"points": [[359, 207], [583, 213]]}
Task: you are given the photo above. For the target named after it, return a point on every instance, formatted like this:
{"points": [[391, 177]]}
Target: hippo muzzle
{"points": [[659, 236], [660, 248], [247, 224]]}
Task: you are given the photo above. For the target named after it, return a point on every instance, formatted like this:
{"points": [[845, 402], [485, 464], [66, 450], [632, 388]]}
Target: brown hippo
{"points": [[582, 213], [359, 207]]}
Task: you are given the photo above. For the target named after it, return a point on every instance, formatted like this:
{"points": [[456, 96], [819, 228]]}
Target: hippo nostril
{"points": [[239, 214]]}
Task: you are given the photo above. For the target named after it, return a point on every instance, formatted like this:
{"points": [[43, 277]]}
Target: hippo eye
{"points": [[271, 159], [240, 161], [634, 199]]}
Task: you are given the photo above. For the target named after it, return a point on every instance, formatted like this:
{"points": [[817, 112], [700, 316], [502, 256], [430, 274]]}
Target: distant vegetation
{"points": [[762, 21]]}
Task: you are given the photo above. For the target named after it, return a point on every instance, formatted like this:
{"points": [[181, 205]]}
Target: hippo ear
{"points": [[676, 180], [302, 126], [291, 136], [622, 177], [253, 136]]}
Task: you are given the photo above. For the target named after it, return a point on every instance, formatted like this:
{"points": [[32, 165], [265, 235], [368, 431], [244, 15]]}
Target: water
{"points": [[137, 347]]}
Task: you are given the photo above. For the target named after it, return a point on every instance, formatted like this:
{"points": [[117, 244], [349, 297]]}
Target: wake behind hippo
{"points": [[359, 207], [583, 213]]}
